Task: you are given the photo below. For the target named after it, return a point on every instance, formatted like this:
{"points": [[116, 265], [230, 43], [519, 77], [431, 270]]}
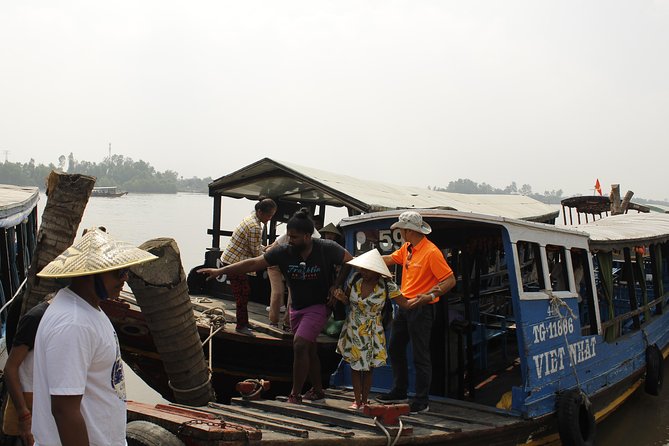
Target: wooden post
{"points": [[162, 293], [216, 223], [626, 201], [68, 196], [564, 215], [615, 199]]}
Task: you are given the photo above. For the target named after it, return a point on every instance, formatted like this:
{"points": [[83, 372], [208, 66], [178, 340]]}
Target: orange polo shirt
{"points": [[426, 268]]}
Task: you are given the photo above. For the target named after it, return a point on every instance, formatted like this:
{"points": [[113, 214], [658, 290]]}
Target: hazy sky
{"points": [[550, 93]]}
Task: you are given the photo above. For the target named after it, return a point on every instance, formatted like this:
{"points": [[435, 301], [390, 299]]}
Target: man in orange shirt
{"points": [[425, 277]]}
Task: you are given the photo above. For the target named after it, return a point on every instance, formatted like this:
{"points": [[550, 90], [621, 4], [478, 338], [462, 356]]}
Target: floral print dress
{"points": [[362, 342]]}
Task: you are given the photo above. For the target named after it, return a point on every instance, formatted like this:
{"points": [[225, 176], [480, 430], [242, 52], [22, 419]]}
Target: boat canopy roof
{"points": [[16, 203], [627, 230], [291, 182], [516, 229]]}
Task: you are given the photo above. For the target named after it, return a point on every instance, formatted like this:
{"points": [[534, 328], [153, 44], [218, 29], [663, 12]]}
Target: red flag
{"points": [[598, 188]]}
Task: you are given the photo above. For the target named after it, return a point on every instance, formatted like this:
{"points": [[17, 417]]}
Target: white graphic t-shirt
{"points": [[77, 353]]}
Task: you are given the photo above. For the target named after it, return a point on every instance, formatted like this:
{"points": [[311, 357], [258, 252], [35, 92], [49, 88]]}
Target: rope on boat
{"points": [[18, 290], [391, 441], [192, 389], [258, 389], [385, 431], [211, 347], [214, 317], [399, 433], [556, 303]]}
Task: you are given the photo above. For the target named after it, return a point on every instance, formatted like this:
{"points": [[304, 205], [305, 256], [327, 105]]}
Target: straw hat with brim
{"points": [[332, 229], [95, 253], [412, 220], [372, 261]]}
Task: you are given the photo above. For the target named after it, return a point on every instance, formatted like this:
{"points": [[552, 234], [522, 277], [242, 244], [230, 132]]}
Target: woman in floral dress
{"points": [[362, 342]]}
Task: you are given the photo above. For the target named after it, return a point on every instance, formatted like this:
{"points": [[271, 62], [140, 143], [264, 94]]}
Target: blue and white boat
{"points": [[554, 325]]}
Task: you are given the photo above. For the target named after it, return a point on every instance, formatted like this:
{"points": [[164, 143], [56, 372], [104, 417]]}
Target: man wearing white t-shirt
{"points": [[78, 382]]}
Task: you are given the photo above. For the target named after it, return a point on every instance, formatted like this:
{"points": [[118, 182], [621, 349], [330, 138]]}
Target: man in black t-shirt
{"points": [[17, 419], [308, 265]]}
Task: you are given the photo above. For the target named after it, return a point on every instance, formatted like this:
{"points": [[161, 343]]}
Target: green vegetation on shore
{"points": [[466, 186], [117, 170]]}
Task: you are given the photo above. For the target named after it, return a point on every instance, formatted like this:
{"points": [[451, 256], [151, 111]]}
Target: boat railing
{"points": [[618, 320]]}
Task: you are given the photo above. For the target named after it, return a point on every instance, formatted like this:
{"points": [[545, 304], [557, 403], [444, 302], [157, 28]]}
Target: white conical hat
{"points": [[372, 261], [95, 253]]}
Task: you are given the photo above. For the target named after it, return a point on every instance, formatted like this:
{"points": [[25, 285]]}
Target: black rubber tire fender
{"points": [[654, 370], [576, 418], [145, 433], [197, 283]]}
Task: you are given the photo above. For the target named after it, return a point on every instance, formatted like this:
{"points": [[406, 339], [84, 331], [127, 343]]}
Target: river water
{"points": [[185, 217]]}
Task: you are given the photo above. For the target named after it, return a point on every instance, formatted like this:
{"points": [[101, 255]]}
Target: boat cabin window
{"points": [[531, 271], [557, 266], [583, 290]]}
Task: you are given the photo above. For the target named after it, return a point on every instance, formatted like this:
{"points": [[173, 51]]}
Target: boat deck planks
{"points": [[331, 422]]}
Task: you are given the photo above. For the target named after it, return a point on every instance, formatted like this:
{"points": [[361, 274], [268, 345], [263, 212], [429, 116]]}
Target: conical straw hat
{"points": [[372, 261], [95, 253]]}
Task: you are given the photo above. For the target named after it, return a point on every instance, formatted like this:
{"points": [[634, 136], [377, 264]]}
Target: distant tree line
{"points": [[141, 177], [467, 186], [117, 170]]}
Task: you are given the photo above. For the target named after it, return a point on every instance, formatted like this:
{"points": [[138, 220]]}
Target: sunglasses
{"points": [[123, 273]]}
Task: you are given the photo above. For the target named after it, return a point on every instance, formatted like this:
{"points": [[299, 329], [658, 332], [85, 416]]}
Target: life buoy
{"points": [[654, 370], [576, 418], [144, 433]]}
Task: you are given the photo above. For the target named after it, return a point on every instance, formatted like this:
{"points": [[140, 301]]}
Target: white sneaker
{"points": [[282, 309]]}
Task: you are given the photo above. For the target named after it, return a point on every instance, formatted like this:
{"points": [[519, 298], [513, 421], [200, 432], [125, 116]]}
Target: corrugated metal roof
{"points": [[16, 203], [292, 182], [627, 230]]}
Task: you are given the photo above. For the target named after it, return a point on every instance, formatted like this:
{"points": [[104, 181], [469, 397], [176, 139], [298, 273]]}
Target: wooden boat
{"points": [[107, 191]]}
